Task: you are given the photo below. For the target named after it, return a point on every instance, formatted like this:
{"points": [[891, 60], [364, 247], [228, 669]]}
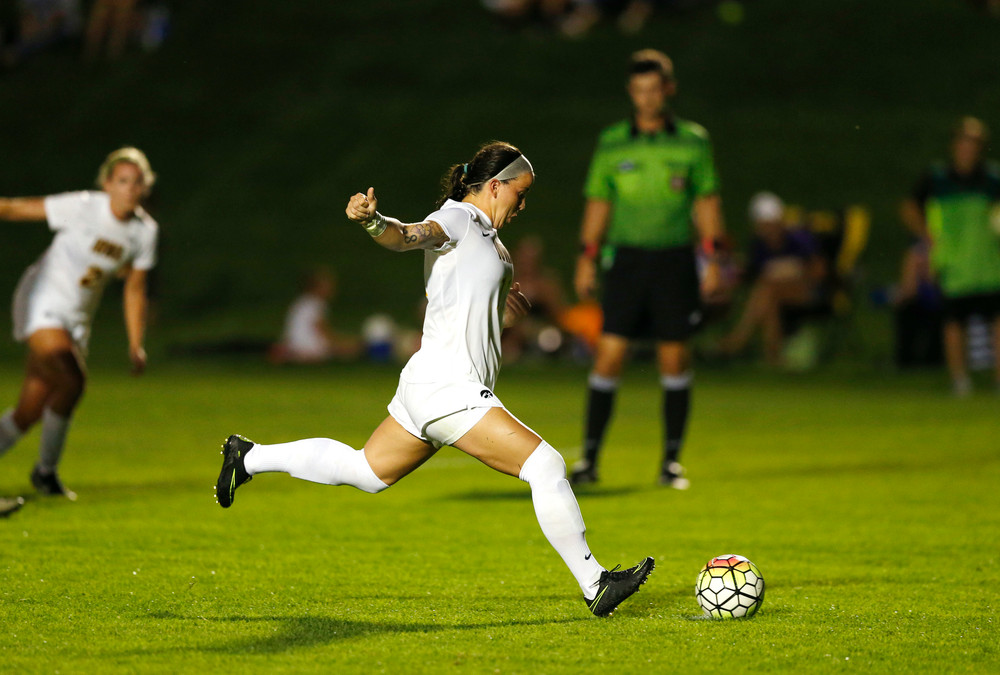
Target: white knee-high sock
{"points": [[559, 514], [320, 460], [9, 431], [53, 440]]}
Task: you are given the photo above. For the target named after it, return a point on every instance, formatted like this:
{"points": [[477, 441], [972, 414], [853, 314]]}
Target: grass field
{"points": [[869, 504]]}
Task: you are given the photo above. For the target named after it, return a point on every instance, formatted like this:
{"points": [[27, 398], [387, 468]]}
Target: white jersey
{"points": [[91, 247], [467, 280]]}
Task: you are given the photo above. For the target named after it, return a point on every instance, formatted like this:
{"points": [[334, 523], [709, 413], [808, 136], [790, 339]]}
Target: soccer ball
{"points": [[729, 587]]}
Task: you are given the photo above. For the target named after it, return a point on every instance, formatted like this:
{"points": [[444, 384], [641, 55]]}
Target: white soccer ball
{"points": [[729, 587]]}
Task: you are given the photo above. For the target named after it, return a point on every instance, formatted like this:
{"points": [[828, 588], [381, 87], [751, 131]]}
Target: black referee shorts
{"points": [[652, 294], [960, 308]]}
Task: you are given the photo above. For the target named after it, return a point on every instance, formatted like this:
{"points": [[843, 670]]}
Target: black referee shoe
{"points": [[672, 475], [9, 505], [615, 586], [583, 473], [234, 473], [50, 485]]}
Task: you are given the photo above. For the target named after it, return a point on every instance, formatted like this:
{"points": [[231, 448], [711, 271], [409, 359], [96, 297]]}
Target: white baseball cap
{"points": [[766, 207]]}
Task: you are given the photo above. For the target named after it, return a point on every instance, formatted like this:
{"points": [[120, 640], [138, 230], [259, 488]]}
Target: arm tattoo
{"points": [[418, 234]]}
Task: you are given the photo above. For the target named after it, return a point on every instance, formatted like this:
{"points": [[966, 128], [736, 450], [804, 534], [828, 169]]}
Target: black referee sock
{"points": [[600, 403], [676, 409]]}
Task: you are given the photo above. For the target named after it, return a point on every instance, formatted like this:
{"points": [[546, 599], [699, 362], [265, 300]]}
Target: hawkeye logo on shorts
{"points": [[486, 393], [627, 165]]}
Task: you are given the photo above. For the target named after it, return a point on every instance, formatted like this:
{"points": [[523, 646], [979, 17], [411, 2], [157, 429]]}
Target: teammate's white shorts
{"points": [[31, 313], [441, 412]]}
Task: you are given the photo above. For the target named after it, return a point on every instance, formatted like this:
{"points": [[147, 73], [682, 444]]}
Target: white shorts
{"points": [[32, 313], [441, 412]]}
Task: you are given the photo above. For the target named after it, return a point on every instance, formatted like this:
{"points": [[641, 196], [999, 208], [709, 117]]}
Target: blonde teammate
{"points": [[446, 391], [99, 236]]}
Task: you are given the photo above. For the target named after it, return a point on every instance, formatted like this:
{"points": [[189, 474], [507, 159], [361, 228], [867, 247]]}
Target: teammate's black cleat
{"points": [[49, 484], [234, 473], [9, 505], [617, 585], [583, 473]]}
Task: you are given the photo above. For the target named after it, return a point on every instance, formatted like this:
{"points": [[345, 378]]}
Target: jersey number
{"points": [[92, 277]]}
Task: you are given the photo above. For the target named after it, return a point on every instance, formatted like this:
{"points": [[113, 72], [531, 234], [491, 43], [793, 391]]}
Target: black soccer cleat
{"points": [[9, 505], [49, 484], [583, 473], [615, 586], [234, 473], [672, 475]]}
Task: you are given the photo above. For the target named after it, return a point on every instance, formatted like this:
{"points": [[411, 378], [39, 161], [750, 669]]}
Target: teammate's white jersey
{"points": [[91, 247], [467, 280]]}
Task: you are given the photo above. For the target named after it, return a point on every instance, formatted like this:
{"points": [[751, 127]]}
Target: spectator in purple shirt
{"points": [[786, 271]]}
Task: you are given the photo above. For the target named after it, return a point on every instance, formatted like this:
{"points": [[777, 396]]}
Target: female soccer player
{"points": [[445, 394], [100, 235]]}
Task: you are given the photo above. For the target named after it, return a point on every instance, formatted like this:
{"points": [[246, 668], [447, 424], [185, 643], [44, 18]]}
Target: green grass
{"points": [[868, 503]]}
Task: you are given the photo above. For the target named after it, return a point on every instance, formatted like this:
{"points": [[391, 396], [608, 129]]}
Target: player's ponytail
{"points": [[490, 160], [454, 184]]}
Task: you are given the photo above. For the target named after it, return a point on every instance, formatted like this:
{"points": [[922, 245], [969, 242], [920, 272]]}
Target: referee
{"points": [[649, 177]]}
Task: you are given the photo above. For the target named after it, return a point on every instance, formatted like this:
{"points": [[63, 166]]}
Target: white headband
{"points": [[515, 169]]}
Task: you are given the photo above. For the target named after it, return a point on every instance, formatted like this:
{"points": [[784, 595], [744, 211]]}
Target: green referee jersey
{"points": [[966, 249], [651, 181]]}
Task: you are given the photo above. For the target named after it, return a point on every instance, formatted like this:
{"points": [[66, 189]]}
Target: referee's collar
{"points": [[669, 126]]}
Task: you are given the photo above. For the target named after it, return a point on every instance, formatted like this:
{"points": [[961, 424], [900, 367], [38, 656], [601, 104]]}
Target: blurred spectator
{"points": [[114, 24], [522, 12], [786, 270], [29, 26], [575, 18], [308, 336], [108, 28], [956, 207], [631, 16], [538, 332], [10, 32], [989, 7]]}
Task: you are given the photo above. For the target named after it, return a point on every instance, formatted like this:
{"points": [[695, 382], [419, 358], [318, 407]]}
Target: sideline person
{"points": [[99, 236], [307, 336], [786, 272], [956, 207], [649, 175], [446, 390]]}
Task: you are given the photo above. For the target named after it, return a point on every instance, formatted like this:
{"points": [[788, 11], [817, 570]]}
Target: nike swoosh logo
{"points": [[487, 234], [587, 557]]}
